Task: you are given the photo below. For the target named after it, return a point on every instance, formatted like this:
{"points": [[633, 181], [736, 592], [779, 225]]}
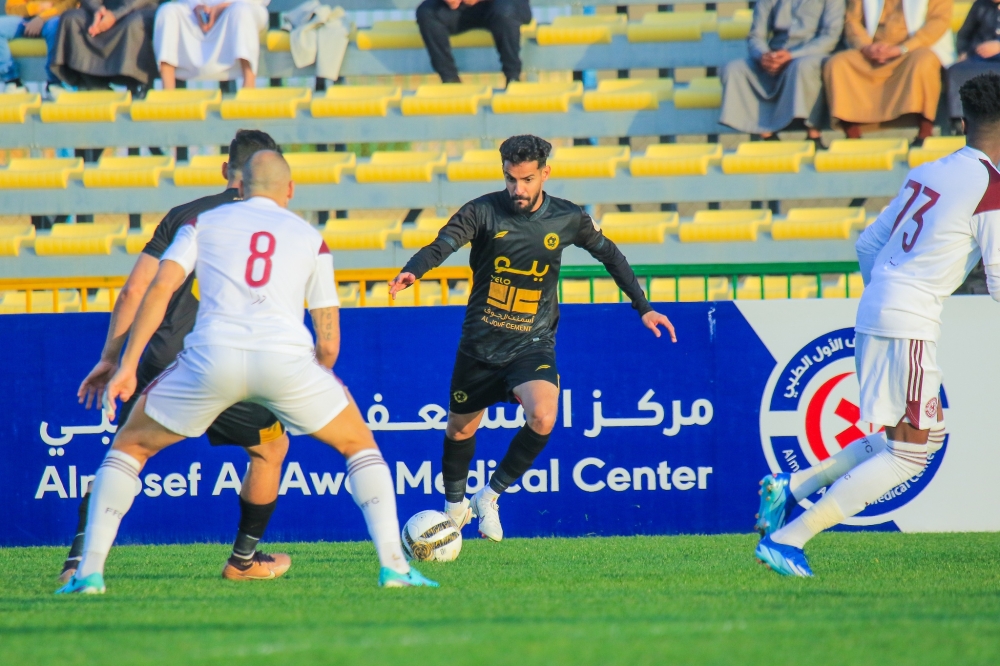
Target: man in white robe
{"points": [[209, 40]]}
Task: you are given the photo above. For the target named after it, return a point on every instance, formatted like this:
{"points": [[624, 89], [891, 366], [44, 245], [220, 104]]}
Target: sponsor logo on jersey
{"points": [[542, 367], [501, 234], [460, 396], [551, 241], [810, 411]]}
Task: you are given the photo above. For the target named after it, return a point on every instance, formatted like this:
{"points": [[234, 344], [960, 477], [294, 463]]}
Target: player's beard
{"points": [[524, 204]]}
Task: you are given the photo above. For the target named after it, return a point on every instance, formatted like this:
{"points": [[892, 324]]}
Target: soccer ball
{"points": [[431, 536]]}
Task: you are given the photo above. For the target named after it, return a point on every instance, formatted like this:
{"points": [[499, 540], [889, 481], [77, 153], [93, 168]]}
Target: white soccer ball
{"points": [[431, 536]]}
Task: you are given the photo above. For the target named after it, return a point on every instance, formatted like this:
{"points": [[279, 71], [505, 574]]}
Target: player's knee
{"points": [[542, 420], [269, 454]]}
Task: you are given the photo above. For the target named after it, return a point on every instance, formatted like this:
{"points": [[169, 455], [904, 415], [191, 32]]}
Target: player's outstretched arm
{"points": [[400, 282], [326, 323], [461, 229]]}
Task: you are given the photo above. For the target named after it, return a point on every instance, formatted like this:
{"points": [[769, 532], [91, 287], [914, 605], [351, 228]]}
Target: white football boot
{"points": [[489, 516], [461, 514]]}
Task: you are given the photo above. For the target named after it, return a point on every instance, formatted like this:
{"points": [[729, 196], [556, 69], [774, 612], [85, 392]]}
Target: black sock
{"points": [[253, 522], [455, 463], [521, 454], [76, 549]]}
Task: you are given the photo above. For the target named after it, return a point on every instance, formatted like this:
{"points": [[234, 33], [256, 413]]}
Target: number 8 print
{"points": [[265, 255]]}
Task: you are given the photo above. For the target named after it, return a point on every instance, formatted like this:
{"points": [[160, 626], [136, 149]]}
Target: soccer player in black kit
{"points": [[244, 424], [507, 350]]}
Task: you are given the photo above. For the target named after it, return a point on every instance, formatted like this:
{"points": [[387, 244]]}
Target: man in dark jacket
{"points": [[978, 46]]}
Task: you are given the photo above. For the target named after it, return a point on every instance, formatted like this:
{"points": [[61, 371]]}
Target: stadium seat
{"points": [[672, 26], [459, 293], [690, 289], [861, 155], [135, 241], [14, 107], [423, 232], [701, 93], [201, 171], [406, 35], [258, 103], [28, 47], [959, 11], [172, 105], [776, 287], [934, 148], [737, 27], [401, 167], [47, 173], [844, 288], [588, 161], [446, 99], [594, 29], [16, 302], [356, 101], [429, 294], [724, 226], [579, 291], [818, 224], [92, 106], [99, 302], [625, 228], [92, 238], [476, 165], [133, 171], [361, 234], [538, 97], [349, 294], [277, 41], [768, 157], [319, 168], [628, 94], [13, 235], [676, 159]]}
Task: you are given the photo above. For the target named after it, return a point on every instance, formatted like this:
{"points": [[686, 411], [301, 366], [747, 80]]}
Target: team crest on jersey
{"points": [[551, 241], [460, 396], [810, 411]]}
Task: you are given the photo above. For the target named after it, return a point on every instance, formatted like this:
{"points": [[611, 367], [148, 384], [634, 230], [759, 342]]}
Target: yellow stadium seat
{"points": [[458, 294], [676, 159], [16, 302], [818, 224], [934, 148], [690, 289], [423, 233], [257, 103], [628, 94], [176, 105], [278, 41], [579, 291], [538, 97], [429, 294], [133, 171], [588, 161], [959, 11], [446, 99], [201, 171], [737, 27], [594, 29], [349, 294], [724, 226], [476, 165], [861, 155], [12, 236], [672, 27], [28, 47], [701, 93], [92, 106], [80, 239], [14, 107], [406, 35], [135, 241], [100, 301], [48, 173], [768, 157], [844, 288], [401, 167], [750, 288], [361, 234], [638, 227], [318, 168], [356, 101]]}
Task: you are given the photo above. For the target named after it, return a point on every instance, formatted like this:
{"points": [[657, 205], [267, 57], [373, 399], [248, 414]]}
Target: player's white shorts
{"points": [[204, 381], [899, 378]]}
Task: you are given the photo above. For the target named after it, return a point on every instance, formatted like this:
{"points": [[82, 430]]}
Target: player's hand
{"points": [[400, 282], [122, 386], [653, 319], [988, 49], [94, 384]]}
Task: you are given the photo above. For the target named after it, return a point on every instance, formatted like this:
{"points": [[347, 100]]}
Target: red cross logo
{"points": [[845, 409]]}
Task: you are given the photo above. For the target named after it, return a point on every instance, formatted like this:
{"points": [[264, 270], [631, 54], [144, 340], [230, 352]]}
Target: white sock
{"points": [[851, 494], [935, 438], [371, 485], [111, 496], [805, 482], [454, 507], [490, 495]]}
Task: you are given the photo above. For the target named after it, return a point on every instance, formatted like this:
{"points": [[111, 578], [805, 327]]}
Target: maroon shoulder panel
{"points": [[991, 198]]}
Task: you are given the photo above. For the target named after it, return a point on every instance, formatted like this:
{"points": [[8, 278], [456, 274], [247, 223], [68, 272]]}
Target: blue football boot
{"points": [[389, 578], [776, 503], [92, 584], [785, 560]]}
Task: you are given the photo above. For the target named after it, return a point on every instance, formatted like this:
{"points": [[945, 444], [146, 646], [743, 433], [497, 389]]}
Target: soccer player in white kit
{"points": [[918, 251], [257, 263]]}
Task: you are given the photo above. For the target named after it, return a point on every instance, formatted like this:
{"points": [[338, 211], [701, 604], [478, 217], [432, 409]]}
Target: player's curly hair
{"points": [[525, 148], [981, 98], [246, 143]]}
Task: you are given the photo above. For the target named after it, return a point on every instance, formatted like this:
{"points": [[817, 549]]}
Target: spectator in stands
{"points": [[893, 66], [209, 39], [100, 44], [30, 19], [439, 19], [781, 82], [978, 46]]}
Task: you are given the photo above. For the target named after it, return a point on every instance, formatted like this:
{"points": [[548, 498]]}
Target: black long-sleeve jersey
{"points": [[514, 304]]}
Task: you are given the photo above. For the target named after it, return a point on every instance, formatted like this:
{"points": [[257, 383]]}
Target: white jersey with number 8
{"points": [[923, 245], [257, 263]]}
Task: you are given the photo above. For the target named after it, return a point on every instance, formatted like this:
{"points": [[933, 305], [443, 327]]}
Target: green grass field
{"points": [[877, 599]]}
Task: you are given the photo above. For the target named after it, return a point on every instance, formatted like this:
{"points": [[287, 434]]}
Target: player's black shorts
{"points": [[244, 424], [476, 385]]}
